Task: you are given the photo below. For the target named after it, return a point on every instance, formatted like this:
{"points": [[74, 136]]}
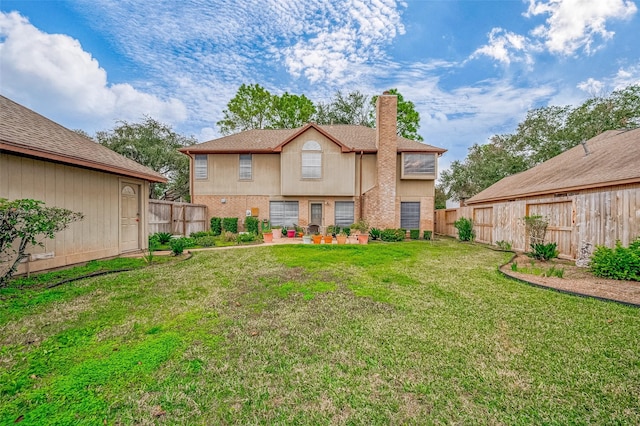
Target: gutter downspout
{"points": [[360, 190]]}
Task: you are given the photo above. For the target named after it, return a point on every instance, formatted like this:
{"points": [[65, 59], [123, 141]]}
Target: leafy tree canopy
{"points": [[408, 117], [543, 134], [154, 145], [352, 108]]}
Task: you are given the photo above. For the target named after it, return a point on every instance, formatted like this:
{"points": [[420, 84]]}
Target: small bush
{"points": [[216, 226], [514, 267], [427, 235], [374, 233], [391, 235], [620, 263], [205, 241], [228, 237], [346, 231], [163, 237], [199, 234], [543, 251], [252, 225], [178, 245], [465, 229], [230, 224], [414, 234], [246, 237], [504, 245]]}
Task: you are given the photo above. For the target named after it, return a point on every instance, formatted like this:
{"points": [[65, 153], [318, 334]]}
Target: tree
{"points": [[250, 108], [24, 222], [154, 145], [543, 134], [440, 201], [290, 111], [254, 107], [408, 117], [353, 108]]}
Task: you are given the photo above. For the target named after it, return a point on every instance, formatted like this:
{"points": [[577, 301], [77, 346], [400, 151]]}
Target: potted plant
{"points": [[291, 232], [362, 228], [300, 232], [267, 235], [317, 238], [342, 237], [306, 238], [277, 231], [328, 238]]}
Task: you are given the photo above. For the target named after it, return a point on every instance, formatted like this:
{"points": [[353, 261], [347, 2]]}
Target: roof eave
{"points": [[5, 146], [554, 191]]}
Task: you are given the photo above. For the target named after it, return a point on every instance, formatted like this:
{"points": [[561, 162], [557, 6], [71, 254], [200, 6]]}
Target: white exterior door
{"points": [[129, 217]]}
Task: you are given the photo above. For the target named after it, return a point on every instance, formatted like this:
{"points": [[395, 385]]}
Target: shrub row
{"points": [[219, 224], [619, 263]]}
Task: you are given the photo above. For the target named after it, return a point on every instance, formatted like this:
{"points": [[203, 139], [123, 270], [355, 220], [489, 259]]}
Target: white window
{"points": [[311, 160], [245, 167], [410, 215], [283, 213], [200, 167], [344, 213], [418, 164]]}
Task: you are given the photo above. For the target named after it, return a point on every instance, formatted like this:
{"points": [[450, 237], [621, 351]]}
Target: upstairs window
{"points": [[200, 166], [311, 160], [245, 167], [418, 165]]}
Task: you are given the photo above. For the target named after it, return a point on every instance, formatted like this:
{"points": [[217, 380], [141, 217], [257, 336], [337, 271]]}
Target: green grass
{"points": [[401, 333]]}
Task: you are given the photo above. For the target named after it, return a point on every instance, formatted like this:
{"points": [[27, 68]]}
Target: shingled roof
{"points": [[23, 131], [613, 159], [351, 138]]}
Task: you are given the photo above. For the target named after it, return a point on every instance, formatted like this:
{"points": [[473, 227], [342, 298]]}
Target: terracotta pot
{"points": [[317, 239], [328, 239], [342, 239], [363, 239], [267, 237], [291, 233], [277, 232]]}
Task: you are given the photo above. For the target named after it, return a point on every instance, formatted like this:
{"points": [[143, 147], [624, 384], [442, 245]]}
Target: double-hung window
{"points": [[311, 160], [200, 166], [344, 213], [246, 172]]}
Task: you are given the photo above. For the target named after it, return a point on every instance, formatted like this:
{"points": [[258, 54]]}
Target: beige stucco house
{"points": [[319, 174], [42, 160]]}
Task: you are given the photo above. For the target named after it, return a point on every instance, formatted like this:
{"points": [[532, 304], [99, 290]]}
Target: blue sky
{"points": [[473, 68]]}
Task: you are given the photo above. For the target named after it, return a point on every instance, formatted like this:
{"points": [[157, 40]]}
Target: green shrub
{"points": [[346, 231], [246, 237], [205, 241], [391, 235], [465, 229], [374, 233], [230, 224], [514, 267], [333, 230], [543, 251], [251, 224], [216, 226], [414, 234], [621, 263], [428, 235], [163, 237], [199, 234], [178, 245]]}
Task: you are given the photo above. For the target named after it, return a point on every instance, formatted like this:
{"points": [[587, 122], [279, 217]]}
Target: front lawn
{"points": [[413, 332]]}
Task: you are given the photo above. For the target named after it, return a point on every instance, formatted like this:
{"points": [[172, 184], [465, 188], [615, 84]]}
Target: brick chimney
{"points": [[384, 204]]}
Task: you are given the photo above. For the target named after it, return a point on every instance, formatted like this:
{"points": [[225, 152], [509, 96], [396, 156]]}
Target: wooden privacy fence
{"points": [[176, 218], [595, 216]]}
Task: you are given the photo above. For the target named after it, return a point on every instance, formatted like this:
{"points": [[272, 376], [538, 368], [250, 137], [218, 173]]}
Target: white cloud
{"points": [[624, 77], [54, 75], [577, 24], [505, 46]]}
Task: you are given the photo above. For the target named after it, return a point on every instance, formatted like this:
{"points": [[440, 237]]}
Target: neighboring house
{"points": [[590, 194], [319, 174], [42, 160]]}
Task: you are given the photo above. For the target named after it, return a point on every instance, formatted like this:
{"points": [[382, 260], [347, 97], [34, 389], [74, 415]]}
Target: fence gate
{"points": [[483, 224], [561, 217]]}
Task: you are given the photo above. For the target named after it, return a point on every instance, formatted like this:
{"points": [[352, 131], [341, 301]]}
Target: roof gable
{"points": [[25, 132], [306, 128], [613, 159]]}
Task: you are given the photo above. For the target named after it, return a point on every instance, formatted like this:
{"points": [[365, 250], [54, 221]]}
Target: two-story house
{"points": [[319, 174]]}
